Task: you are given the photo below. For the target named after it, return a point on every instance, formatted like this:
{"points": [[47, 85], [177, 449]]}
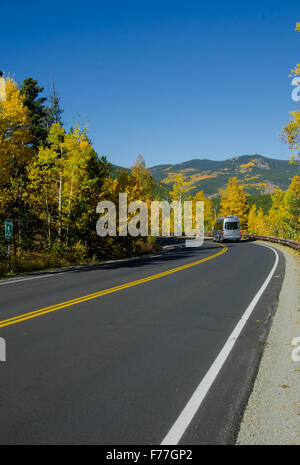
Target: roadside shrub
{"points": [[78, 253]]}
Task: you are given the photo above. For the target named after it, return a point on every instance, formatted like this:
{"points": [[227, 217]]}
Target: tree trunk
{"points": [[70, 203], [59, 206]]}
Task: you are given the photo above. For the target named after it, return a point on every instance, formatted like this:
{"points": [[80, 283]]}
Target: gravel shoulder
{"points": [[272, 415]]}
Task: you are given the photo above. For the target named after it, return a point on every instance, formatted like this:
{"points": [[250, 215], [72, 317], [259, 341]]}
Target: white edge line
{"points": [[12, 281], [179, 427], [56, 273]]}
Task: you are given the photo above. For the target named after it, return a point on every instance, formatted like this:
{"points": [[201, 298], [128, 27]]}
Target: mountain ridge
{"points": [[257, 173]]}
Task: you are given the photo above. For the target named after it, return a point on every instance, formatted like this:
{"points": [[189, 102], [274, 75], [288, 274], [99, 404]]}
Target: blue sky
{"points": [[172, 80]]}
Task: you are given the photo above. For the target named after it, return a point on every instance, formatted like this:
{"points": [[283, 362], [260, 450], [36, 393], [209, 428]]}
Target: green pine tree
{"points": [[37, 111], [54, 111]]}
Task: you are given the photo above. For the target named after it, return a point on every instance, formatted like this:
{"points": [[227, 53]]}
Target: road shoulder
{"points": [[272, 415]]}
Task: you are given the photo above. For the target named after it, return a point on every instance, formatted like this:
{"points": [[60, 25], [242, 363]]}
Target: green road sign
{"points": [[8, 229]]}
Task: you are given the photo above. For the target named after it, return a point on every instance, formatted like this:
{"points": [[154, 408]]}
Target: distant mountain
{"points": [[257, 174]]}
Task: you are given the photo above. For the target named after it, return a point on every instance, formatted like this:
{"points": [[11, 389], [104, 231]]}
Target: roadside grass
{"points": [[35, 261]]}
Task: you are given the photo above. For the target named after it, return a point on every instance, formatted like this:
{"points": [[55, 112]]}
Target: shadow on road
{"points": [[178, 252], [166, 256]]}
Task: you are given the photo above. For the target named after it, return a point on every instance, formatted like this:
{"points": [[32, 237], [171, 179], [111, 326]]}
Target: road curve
{"points": [[113, 353]]}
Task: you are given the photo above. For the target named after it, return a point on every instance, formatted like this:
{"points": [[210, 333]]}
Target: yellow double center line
{"points": [[95, 295]]}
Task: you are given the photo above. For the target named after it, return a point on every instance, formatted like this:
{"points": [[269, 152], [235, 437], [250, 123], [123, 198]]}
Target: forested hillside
{"points": [[256, 173]]}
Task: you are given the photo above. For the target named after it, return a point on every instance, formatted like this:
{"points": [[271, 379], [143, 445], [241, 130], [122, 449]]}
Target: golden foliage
{"points": [[234, 201], [14, 149], [188, 179], [247, 166], [283, 219], [58, 176]]}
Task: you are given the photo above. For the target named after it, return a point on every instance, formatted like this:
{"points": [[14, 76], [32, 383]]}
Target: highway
{"points": [[112, 354]]}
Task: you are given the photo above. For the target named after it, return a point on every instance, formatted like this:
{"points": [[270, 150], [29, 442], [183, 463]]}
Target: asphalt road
{"points": [[119, 366]]}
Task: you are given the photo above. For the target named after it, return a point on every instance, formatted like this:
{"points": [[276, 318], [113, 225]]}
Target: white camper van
{"points": [[228, 228]]}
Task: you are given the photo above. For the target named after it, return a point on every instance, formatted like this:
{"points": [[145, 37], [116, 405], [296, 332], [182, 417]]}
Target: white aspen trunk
{"points": [[59, 205], [70, 202]]}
